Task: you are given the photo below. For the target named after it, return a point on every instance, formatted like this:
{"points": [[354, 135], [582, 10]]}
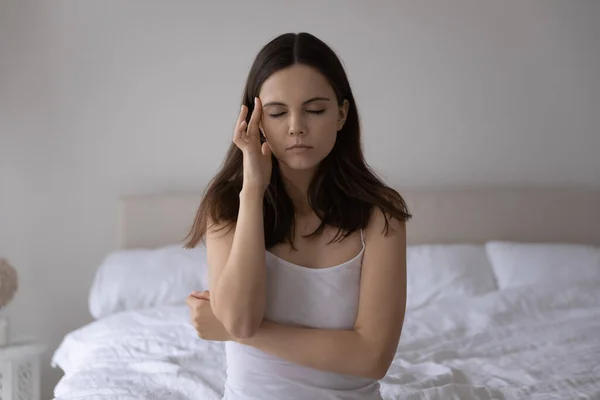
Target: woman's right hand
{"points": [[257, 158]]}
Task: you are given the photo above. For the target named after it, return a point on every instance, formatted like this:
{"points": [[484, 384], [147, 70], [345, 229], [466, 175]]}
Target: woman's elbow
{"points": [[377, 372], [379, 366]]}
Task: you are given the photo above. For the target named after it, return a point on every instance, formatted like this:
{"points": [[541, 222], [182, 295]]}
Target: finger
{"points": [[242, 115], [243, 129], [255, 118], [203, 295], [239, 136], [194, 302], [266, 149], [241, 124], [204, 304]]}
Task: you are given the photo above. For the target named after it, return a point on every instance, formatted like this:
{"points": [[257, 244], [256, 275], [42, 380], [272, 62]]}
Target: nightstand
{"points": [[20, 370]]}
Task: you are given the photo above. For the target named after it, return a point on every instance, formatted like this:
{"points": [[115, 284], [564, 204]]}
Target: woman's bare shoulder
{"points": [[382, 225]]}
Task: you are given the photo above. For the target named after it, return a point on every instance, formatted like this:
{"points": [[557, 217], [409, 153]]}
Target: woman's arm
{"points": [[237, 272], [340, 351], [369, 348]]}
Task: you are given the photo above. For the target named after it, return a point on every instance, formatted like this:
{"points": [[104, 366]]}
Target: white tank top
{"points": [[324, 298]]}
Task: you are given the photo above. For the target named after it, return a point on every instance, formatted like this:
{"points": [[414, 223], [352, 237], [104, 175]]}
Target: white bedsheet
{"points": [[521, 343]]}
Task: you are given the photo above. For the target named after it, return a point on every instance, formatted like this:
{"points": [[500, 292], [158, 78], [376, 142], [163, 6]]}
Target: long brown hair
{"points": [[344, 190]]}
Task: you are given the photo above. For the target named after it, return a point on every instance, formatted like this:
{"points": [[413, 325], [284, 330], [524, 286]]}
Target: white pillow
{"points": [[518, 264], [437, 272], [142, 278]]}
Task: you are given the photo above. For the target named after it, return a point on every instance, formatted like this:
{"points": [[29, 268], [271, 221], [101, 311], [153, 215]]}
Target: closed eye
{"points": [[277, 115]]}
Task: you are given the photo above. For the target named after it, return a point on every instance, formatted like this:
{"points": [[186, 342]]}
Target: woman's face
{"points": [[301, 116]]}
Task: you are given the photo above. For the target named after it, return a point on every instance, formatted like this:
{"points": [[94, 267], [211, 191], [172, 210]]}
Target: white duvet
{"points": [[521, 343]]}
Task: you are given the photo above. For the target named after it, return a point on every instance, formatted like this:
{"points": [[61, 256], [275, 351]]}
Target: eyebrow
{"points": [[278, 103]]}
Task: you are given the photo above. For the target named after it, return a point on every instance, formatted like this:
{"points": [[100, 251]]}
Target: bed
{"points": [[504, 302]]}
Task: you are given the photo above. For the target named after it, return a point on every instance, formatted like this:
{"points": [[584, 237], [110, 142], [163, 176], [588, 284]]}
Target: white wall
{"points": [[106, 98]]}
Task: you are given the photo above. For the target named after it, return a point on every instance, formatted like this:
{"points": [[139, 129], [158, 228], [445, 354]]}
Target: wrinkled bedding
{"points": [[535, 342]]}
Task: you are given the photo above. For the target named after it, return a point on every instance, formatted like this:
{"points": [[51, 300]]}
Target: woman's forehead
{"points": [[295, 84]]}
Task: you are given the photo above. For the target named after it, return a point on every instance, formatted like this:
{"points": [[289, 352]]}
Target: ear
{"points": [[343, 114]]}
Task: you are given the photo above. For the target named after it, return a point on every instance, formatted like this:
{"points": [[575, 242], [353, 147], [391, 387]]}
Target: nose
{"points": [[297, 126]]}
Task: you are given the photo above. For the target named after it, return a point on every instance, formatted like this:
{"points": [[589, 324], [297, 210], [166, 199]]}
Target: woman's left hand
{"points": [[203, 318]]}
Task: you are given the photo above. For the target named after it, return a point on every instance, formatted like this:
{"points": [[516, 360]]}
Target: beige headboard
{"points": [[445, 215]]}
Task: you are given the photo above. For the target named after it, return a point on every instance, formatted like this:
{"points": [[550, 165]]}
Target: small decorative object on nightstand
{"points": [[20, 371], [8, 288], [19, 359]]}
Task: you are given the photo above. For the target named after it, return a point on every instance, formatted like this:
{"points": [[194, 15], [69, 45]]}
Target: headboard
{"points": [[440, 215]]}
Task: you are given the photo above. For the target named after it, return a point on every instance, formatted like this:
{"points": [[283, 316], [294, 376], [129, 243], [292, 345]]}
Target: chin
{"points": [[302, 164]]}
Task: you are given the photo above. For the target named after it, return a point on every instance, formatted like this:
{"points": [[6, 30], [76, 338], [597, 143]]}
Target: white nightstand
{"points": [[20, 370]]}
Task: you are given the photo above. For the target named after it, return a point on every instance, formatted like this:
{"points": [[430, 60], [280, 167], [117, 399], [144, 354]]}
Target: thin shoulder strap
{"points": [[362, 237]]}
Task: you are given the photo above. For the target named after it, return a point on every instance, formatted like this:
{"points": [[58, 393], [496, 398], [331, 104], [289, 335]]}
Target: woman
{"points": [[306, 247]]}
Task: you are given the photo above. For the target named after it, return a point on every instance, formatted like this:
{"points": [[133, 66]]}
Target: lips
{"points": [[299, 147]]}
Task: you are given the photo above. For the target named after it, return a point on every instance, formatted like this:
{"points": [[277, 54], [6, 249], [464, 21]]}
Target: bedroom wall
{"points": [[102, 99]]}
